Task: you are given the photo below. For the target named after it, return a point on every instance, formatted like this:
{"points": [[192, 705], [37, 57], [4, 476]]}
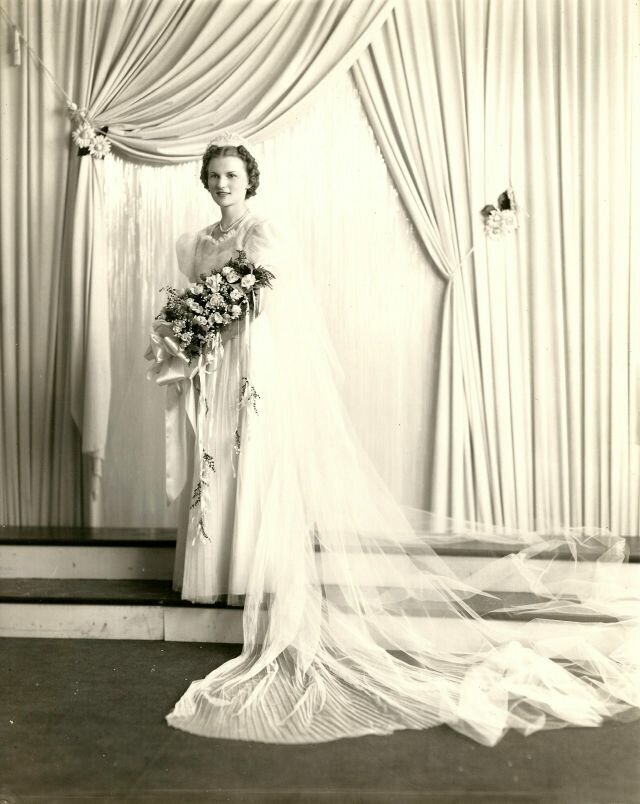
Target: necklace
{"points": [[233, 223]]}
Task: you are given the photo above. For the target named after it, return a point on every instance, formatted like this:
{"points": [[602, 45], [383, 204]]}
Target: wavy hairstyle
{"points": [[232, 150]]}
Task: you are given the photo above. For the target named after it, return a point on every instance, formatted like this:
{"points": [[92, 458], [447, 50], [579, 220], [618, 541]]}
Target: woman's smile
{"points": [[228, 182]]}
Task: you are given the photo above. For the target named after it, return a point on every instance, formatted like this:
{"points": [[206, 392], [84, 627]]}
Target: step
{"points": [[108, 553], [136, 554], [142, 609]]}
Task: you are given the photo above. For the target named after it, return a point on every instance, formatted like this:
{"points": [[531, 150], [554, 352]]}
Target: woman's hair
{"points": [[232, 150]]}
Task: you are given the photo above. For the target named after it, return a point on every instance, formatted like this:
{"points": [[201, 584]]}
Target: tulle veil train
{"points": [[354, 622]]}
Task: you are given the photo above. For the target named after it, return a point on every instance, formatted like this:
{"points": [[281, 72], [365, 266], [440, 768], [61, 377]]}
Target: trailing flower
{"points": [[207, 464]]}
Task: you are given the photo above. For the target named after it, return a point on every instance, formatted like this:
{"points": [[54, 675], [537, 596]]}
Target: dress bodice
{"points": [[203, 251]]}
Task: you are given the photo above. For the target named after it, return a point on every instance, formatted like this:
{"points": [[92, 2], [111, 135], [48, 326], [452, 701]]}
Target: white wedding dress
{"points": [[216, 568], [348, 610]]}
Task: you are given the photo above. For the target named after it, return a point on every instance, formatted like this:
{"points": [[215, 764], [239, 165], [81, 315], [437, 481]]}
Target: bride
{"points": [[353, 624]]}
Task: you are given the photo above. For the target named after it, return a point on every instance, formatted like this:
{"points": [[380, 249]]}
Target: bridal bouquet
{"points": [[197, 314]]}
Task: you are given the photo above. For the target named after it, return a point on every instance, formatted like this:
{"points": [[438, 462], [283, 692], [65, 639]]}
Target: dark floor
{"points": [[83, 721]]}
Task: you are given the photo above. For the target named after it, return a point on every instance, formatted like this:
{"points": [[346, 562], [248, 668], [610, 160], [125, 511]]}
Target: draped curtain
{"points": [[40, 459], [537, 415], [164, 76], [537, 394], [324, 180]]}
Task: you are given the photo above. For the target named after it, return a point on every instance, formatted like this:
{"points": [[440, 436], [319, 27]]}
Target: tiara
{"points": [[228, 138]]}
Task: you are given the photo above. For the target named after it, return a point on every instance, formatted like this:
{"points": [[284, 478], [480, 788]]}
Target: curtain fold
{"points": [[41, 471], [164, 76], [361, 256], [533, 426], [538, 418]]}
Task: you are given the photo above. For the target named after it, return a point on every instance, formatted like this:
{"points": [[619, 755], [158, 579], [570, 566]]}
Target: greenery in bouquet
{"points": [[200, 312]]}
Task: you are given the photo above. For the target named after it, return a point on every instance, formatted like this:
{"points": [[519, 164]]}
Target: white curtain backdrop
{"points": [[537, 394], [324, 177], [163, 75], [537, 420], [41, 472]]}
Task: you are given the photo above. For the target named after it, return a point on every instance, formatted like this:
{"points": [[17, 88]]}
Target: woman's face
{"points": [[228, 180]]}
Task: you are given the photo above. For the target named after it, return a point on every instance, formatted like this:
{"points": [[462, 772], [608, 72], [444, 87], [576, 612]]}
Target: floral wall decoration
{"points": [[89, 138], [503, 220]]}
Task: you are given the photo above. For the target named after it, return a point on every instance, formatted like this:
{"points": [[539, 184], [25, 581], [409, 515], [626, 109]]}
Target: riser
{"points": [[31, 561], [71, 621], [108, 563]]}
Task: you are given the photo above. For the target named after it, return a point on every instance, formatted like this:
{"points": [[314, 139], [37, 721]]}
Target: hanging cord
{"points": [[90, 138], [456, 270], [19, 38]]}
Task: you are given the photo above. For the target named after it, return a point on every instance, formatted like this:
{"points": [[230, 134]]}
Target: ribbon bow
{"points": [[172, 369]]}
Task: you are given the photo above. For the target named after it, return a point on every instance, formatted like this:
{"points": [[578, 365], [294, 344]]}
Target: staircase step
{"points": [[160, 593], [64, 536], [82, 560], [135, 554], [73, 536], [117, 609]]}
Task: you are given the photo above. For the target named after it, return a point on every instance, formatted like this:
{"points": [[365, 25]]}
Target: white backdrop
{"points": [[545, 425], [325, 179]]}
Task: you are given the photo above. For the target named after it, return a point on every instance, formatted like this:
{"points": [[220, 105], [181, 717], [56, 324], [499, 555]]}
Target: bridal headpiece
{"points": [[230, 138]]}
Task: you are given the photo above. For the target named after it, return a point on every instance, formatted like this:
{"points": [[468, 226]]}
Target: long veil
{"points": [[354, 621]]}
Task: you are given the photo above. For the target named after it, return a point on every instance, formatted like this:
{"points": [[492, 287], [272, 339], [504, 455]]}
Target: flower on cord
{"points": [[100, 147], [83, 136], [503, 220], [89, 138]]}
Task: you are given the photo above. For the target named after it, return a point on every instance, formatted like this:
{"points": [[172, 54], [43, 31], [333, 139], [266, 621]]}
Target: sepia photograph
{"points": [[319, 401]]}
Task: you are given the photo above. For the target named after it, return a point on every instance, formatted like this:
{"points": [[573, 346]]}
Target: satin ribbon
{"points": [[172, 369]]}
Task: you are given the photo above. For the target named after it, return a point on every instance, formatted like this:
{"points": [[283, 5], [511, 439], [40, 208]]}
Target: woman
{"points": [[352, 624], [214, 567]]}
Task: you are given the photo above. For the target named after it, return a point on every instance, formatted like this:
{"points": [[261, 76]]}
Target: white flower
{"points": [[235, 311], [226, 270], [213, 281], [493, 225], [500, 223], [186, 337], [248, 281], [200, 319], [509, 221], [216, 300], [232, 276], [236, 294], [100, 147], [198, 289], [84, 136], [218, 318]]}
